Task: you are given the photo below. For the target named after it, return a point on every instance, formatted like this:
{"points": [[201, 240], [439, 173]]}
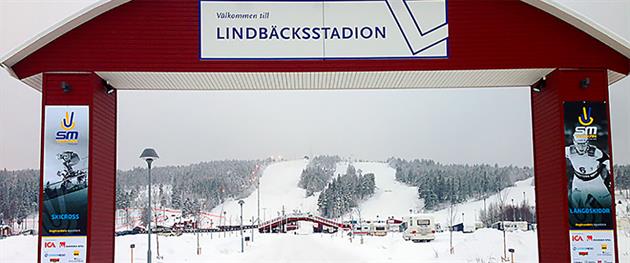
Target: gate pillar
{"points": [[77, 169], [558, 103]]}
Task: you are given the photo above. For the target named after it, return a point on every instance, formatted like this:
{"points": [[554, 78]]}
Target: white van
{"points": [[360, 229], [419, 228], [378, 229]]}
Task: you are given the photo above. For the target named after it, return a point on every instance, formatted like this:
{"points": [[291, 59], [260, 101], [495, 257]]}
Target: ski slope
{"points": [[391, 198], [278, 189]]}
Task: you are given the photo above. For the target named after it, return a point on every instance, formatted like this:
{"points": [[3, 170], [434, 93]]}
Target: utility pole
{"points": [[504, 241], [360, 225], [241, 202], [451, 218], [224, 220], [258, 187], [157, 240], [149, 216]]}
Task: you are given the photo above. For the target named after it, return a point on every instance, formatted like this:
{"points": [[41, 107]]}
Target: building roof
{"points": [[314, 80]]}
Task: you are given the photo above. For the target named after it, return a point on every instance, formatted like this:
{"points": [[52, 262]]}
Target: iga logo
{"points": [[577, 238], [67, 135]]}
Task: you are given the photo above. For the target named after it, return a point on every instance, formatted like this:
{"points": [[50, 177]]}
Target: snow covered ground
{"points": [[485, 245], [481, 245]]}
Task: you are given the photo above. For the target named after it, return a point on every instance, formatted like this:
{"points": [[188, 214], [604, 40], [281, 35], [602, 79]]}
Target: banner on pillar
{"points": [[589, 176], [65, 184]]}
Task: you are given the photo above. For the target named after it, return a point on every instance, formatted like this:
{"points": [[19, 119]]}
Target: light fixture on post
{"points": [[109, 89], [585, 83], [65, 87], [539, 85], [149, 155]]}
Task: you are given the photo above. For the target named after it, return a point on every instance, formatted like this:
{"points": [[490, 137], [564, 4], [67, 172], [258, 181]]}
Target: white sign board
{"points": [[306, 29], [68, 249], [592, 246]]}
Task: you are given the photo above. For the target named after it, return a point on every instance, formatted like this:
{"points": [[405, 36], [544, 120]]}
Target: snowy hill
{"points": [[391, 198], [278, 188]]}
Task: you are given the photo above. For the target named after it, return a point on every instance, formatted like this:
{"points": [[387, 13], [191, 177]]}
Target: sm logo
{"points": [[586, 131], [67, 135]]}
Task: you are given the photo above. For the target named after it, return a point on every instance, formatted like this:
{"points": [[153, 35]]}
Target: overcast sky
{"points": [[436, 124]]}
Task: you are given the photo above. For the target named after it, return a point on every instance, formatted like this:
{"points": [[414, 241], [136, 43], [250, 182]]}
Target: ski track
{"points": [[391, 198]]}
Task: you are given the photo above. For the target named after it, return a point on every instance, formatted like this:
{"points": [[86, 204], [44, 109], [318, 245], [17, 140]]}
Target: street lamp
{"points": [[149, 155], [360, 224], [241, 202]]}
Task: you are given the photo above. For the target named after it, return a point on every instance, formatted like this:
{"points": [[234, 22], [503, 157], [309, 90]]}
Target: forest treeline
{"points": [[440, 184], [207, 184], [189, 187], [345, 192], [318, 172]]}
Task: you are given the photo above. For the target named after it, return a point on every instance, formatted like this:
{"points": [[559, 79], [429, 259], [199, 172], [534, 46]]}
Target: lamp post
{"points": [[360, 225], [241, 202], [34, 204], [149, 155], [224, 221], [258, 193], [252, 227]]}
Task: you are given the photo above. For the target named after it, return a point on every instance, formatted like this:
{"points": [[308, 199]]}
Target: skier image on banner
{"points": [[71, 179], [69, 160], [589, 183]]}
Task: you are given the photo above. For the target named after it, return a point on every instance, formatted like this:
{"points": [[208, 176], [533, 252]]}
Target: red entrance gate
{"points": [[156, 45]]}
